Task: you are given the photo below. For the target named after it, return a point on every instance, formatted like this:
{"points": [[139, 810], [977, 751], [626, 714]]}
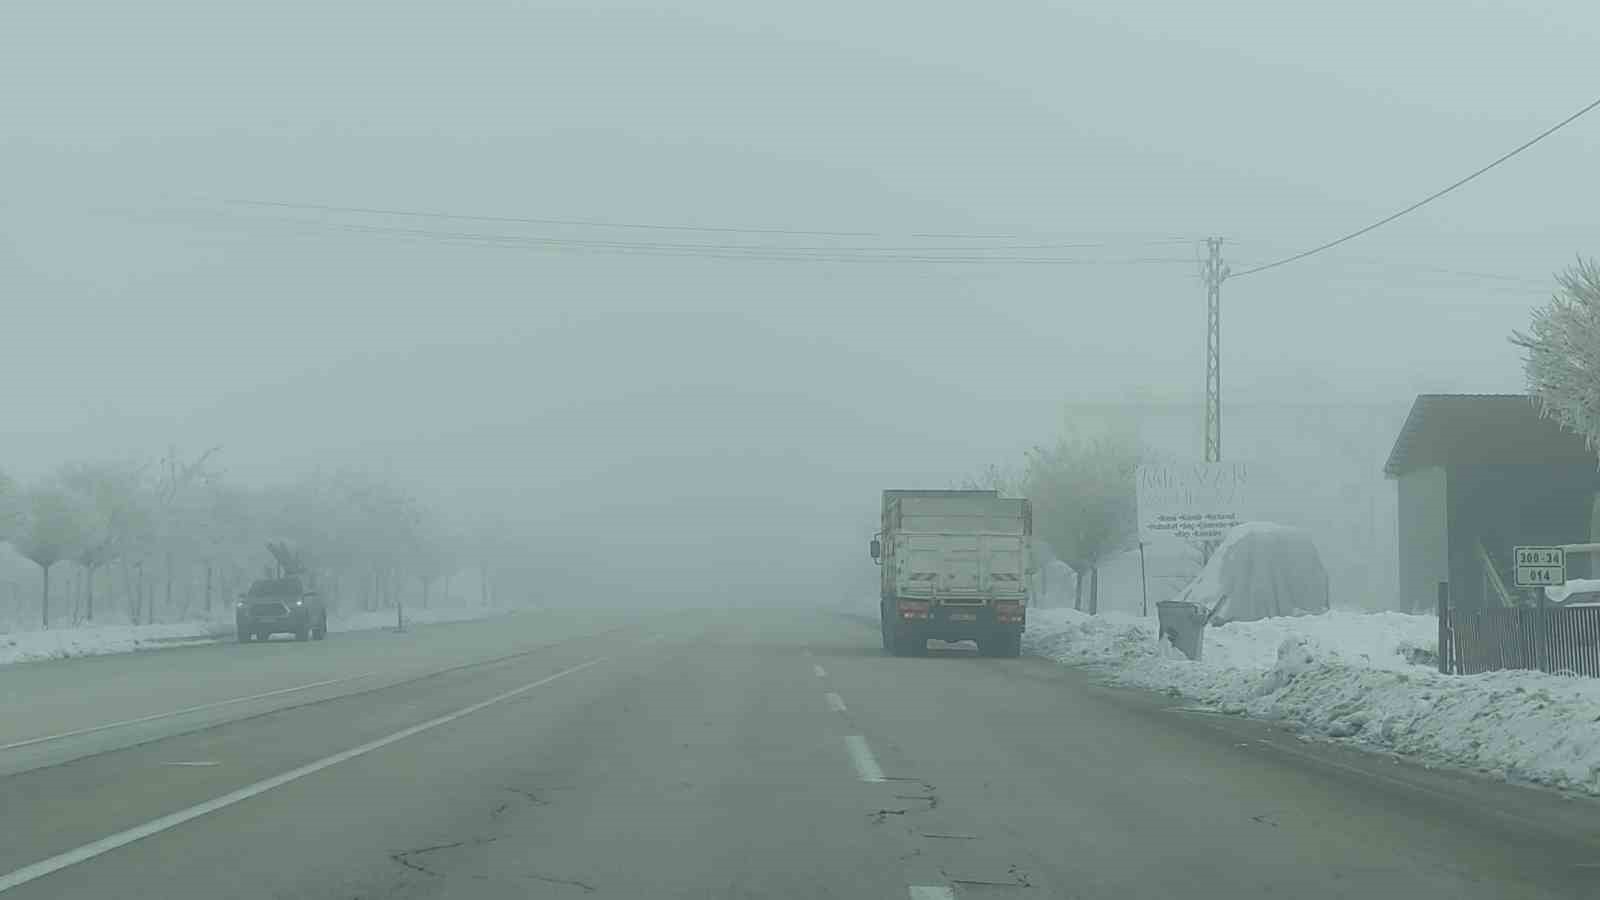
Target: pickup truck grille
{"points": [[268, 610]]}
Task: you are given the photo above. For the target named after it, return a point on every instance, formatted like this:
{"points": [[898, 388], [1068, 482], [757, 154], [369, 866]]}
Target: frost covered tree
{"points": [[994, 478], [51, 528], [113, 511], [10, 508], [1562, 366], [1084, 507]]}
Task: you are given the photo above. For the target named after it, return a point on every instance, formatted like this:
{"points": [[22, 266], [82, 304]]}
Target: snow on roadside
{"points": [[366, 621], [60, 643], [99, 640], [1351, 676]]}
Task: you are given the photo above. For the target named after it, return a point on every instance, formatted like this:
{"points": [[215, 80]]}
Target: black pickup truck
{"points": [[280, 606]]}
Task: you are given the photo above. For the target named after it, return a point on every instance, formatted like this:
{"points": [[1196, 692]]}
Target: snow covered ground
{"points": [[86, 640], [1365, 678]]}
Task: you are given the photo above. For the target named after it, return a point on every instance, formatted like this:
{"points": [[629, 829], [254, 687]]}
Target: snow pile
{"points": [[1379, 640], [1081, 639], [1347, 675], [1577, 591], [98, 640]]}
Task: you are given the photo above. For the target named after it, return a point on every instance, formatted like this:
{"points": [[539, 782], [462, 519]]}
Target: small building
{"points": [[1477, 475]]}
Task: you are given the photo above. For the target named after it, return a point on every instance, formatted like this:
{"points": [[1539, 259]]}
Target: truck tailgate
{"points": [[963, 569]]}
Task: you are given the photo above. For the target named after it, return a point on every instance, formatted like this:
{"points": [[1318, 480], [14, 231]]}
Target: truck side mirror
{"points": [[877, 549]]}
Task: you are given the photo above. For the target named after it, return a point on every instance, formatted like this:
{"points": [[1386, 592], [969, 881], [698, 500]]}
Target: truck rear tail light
{"points": [[1008, 613], [913, 610]]}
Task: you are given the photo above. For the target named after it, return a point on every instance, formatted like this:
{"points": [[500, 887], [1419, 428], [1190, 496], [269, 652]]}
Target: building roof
{"points": [[1482, 429]]}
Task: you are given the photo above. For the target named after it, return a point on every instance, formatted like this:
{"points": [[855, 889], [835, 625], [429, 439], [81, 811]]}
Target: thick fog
{"points": [[664, 423]]}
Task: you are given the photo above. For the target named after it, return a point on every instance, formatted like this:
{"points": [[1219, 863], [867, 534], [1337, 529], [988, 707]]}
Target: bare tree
{"points": [[1562, 366], [489, 548], [175, 486]]}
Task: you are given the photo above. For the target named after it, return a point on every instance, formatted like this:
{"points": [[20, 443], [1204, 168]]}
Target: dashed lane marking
{"points": [[835, 702], [821, 672], [866, 764], [931, 892]]}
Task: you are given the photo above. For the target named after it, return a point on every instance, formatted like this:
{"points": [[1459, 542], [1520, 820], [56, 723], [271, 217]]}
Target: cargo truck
{"points": [[955, 567]]}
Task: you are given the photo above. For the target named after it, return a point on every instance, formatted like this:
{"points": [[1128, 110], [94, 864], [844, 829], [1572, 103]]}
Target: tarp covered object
{"points": [[1265, 570]]}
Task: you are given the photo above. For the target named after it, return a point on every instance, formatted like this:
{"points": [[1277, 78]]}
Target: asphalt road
{"points": [[712, 754]]}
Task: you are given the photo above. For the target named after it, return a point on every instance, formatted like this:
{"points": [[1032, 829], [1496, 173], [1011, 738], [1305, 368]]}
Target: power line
{"points": [[1377, 263], [1425, 200], [653, 226], [751, 252]]}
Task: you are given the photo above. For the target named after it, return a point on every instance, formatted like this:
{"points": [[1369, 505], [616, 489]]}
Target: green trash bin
{"points": [[1183, 625]]}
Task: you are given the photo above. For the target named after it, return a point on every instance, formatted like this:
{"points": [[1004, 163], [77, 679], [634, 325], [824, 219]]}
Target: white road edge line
{"points": [[860, 754], [17, 745], [931, 892], [156, 826], [835, 702], [821, 672]]}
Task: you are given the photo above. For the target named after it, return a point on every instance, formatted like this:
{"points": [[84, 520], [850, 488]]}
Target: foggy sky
{"points": [[642, 409]]}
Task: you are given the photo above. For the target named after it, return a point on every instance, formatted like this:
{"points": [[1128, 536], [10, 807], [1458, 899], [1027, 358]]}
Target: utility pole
{"points": [[1214, 273]]}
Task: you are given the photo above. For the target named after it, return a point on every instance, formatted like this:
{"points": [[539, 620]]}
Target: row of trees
{"points": [[1083, 497], [176, 537]]}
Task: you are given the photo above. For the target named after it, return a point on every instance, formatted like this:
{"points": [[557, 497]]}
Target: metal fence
{"points": [[1550, 639]]}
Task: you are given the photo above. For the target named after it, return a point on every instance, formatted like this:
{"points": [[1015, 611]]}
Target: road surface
{"points": [[711, 754]]}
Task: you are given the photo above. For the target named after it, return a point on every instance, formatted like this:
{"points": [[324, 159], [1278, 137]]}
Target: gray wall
{"points": [[1504, 506], [1423, 542]]}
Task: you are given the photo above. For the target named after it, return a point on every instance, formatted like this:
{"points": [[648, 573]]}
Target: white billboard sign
{"points": [[1193, 501]]}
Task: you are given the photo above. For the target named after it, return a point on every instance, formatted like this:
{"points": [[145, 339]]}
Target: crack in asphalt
{"points": [[1019, 879], [404, 856], [569, 882], [531, 796]]}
